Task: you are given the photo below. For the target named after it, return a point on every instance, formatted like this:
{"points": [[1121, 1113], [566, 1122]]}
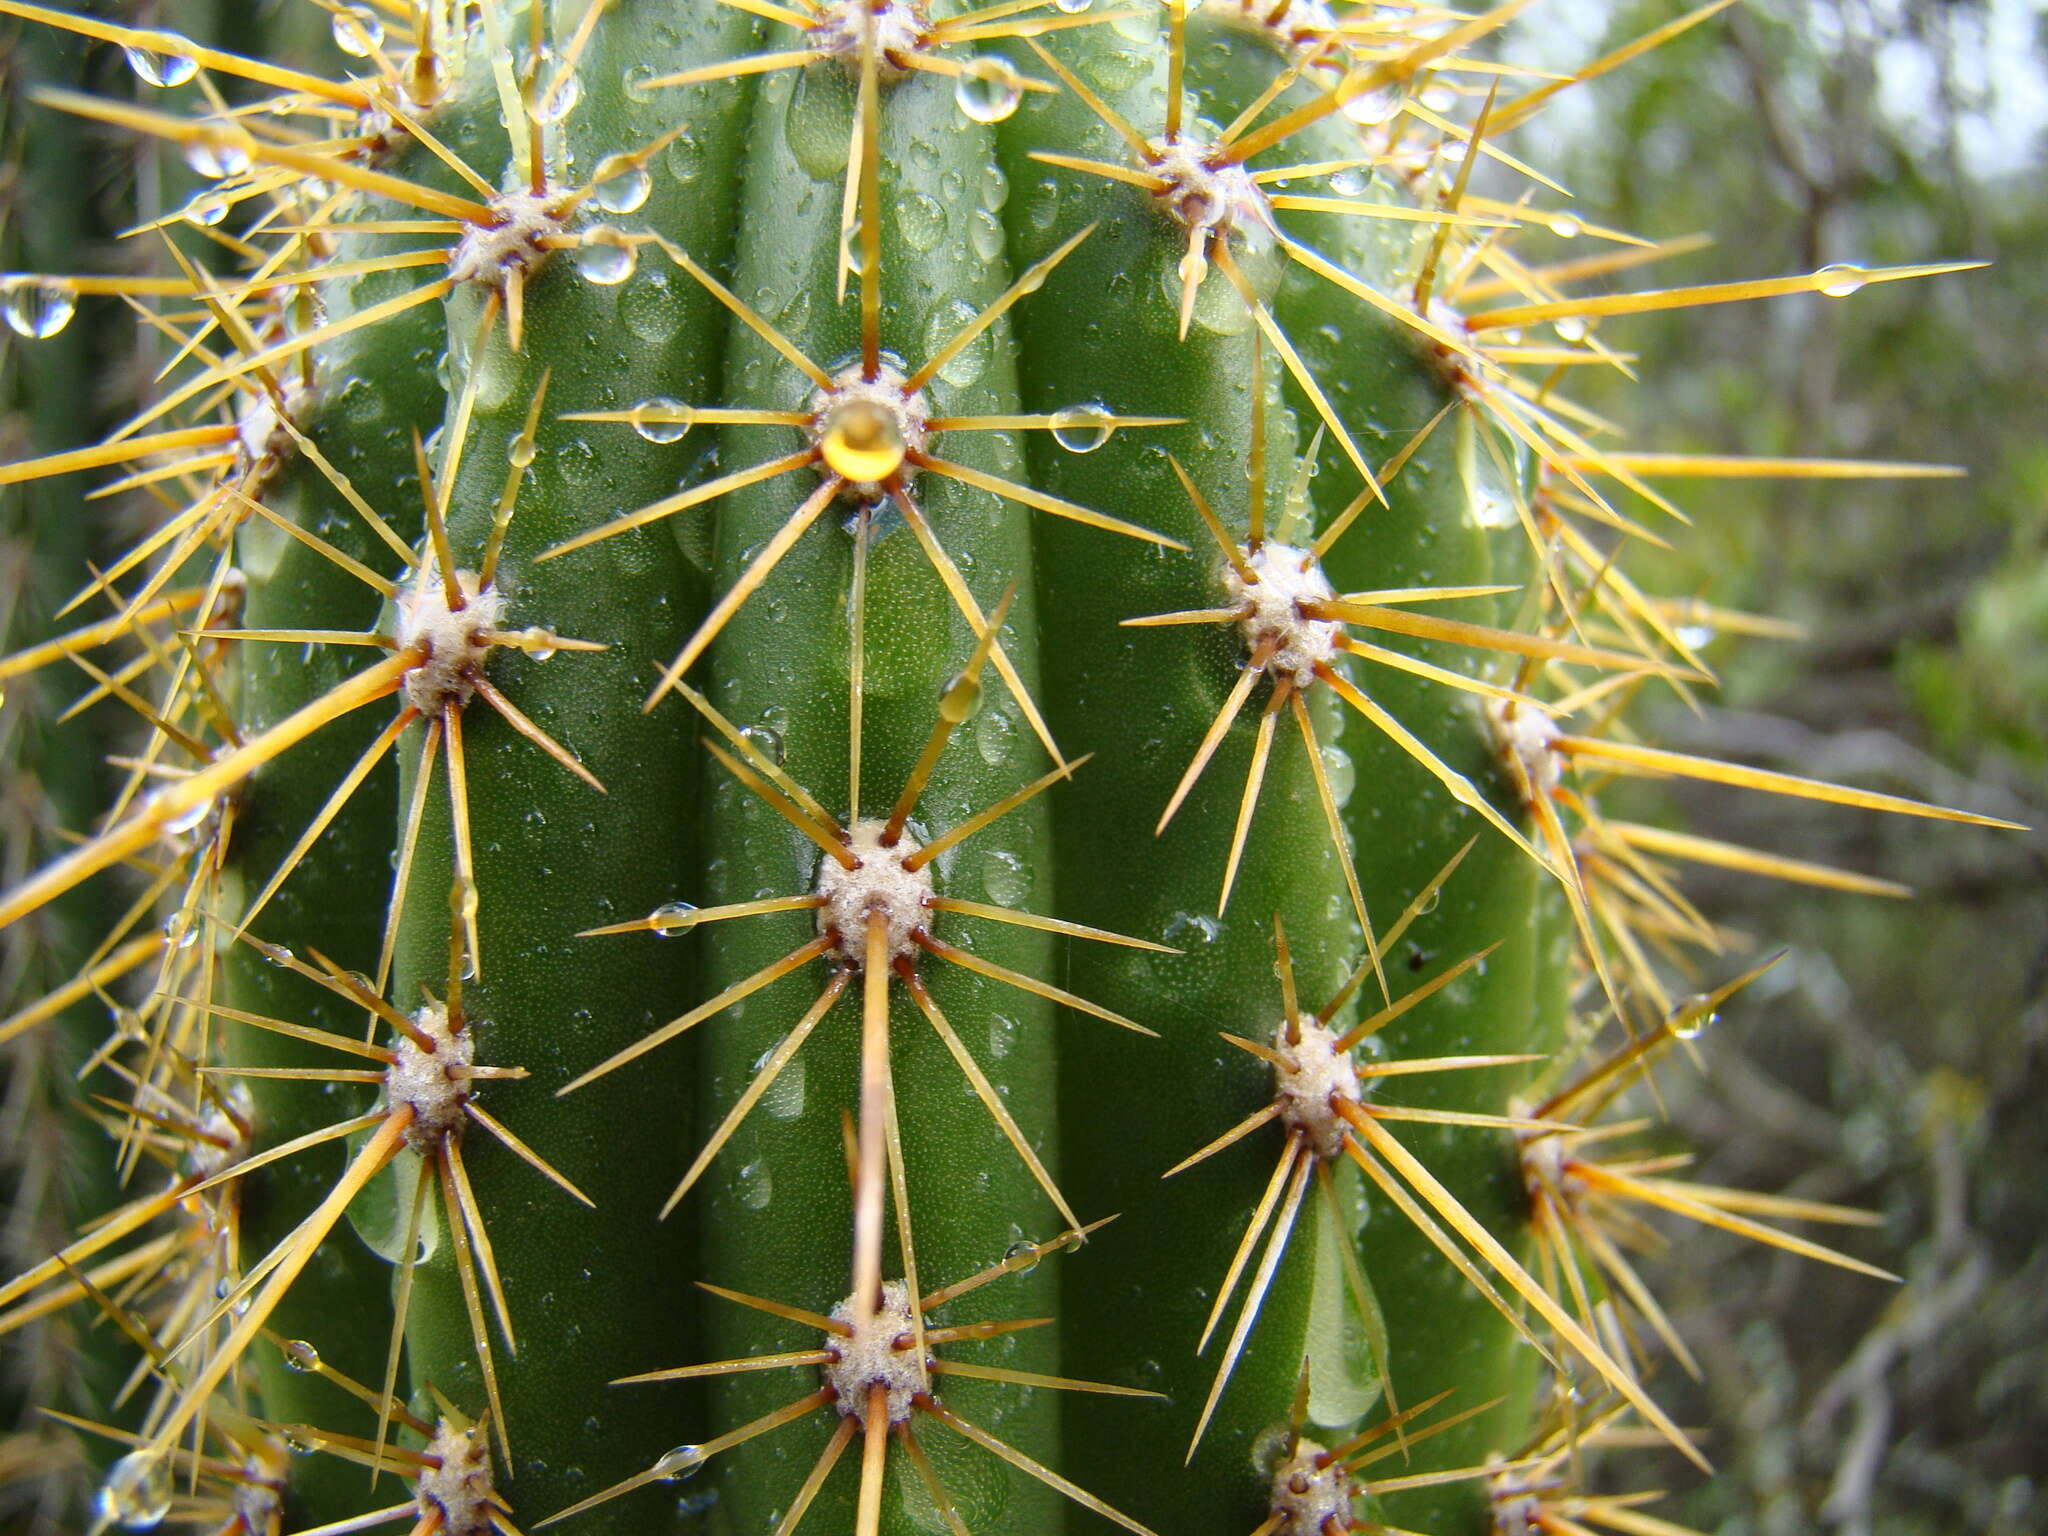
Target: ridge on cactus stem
{"points": [[1200, 371]]}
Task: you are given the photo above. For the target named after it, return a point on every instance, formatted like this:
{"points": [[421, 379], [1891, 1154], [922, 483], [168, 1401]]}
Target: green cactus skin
{"points": [[869, 631]]}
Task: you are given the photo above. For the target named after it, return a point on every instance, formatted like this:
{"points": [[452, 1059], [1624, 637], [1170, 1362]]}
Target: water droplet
{"points": [[1573, 327], [621, 184], [757, 1186], [1072, 7], [972, 360], [1004, 877], [662, 419], [217, 158], [358, 31], [164, 65], [519, 451], [988, 89], [850, 247], [766, 740], [784, 1098], [606, 257], [1839, 279], [985, 234], [1691, 1018], [207, 210], [671, 916], [186, 820], [137, 1493], [921, 221], [540, 644], [1693, 636], [685, 157], [1430, 904], [1184, 928], [301, 1356], [563, 91], [1565, 227], [1341, 772], [1377, 104], [960, 699], [995, 187], [681, 1462], [1348, 183], [1082, 428], [1023, 1254], [862, 441], [36, 309], [299, 1440]]}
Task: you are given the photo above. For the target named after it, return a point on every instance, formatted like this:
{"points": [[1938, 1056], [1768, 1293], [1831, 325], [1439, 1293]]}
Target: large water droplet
{"points": [[757, 1186], [217, 158], [207, 210], [681, 1462], [1565, 227], [1572, 327], [851, 249], [1004, 877], [561, 93], [961, 699], [519, 451], [671, 917], [921, 221], [606, 257], [36, 309], [1692, 1017], [1082, 428], [767, 741], [301, 1356], [663, 419], [165, 65], [137, 1493], [1376, 104], [1024, 1254], [621, 184], [1839, 279], [358, 31], [988, 89]]}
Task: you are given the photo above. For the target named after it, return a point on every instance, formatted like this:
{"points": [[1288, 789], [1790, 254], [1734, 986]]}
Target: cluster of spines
{"points": [[868, 431]]}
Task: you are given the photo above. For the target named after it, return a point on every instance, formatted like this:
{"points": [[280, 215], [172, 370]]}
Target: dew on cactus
{"points": [[1269, 329]]}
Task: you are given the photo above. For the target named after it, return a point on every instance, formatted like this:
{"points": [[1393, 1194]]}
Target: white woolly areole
{"points": [[882, 1352], [1287, 578], [1547, 1164], [262, 442], [460, 1487], [1528, 736], [1306, 1495], [839, 27], [222, 1142], [258, 1497], [435, 1083], [1315, 1073], [512, 242], [453, 642], [905, 411], [878, 882], [1517, 1502], [1208, 197]]}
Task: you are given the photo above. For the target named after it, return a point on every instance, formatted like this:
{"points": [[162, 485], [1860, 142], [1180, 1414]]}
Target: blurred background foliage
{"points": [[1898, 1058]]}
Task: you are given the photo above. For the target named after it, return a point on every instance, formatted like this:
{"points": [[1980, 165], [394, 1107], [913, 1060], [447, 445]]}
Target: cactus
{"points": [[798, 657]]}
